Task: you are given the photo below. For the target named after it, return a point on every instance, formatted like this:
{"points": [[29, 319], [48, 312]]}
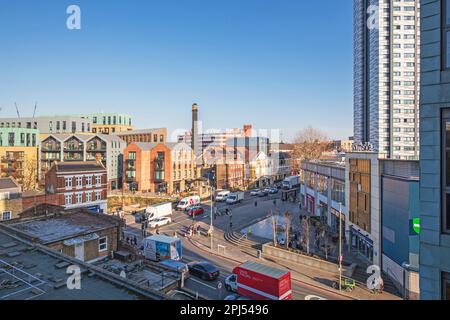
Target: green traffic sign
{"points": [[416, 225]]}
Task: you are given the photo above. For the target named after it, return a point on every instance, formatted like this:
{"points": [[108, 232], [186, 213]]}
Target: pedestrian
{"points": [[256, 204], [135, 241], [275, 202], [128, 240]]}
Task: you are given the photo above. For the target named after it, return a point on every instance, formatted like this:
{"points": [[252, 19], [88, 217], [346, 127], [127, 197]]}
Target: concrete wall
{"points": [[271, 251]]}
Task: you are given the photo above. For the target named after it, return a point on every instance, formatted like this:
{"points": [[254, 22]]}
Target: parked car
{"points": [[262, 193], [195, 211], [203, 270], [159, 222], [254, 192], [273, 191]]}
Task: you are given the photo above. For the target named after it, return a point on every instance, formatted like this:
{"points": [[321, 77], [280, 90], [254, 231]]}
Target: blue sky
{"points": [[274, 63]]}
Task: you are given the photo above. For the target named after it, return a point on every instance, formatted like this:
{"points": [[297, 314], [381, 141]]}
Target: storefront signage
{"points": [[362, 147], [416, 225]]}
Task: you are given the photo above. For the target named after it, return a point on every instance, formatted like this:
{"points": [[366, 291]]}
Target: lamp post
{"points": [[211, 228]]}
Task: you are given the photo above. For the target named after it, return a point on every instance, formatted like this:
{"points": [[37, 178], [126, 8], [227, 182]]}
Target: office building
{"points": [[387, 76], [109, 123], [434, 151], [50, 124], [158, 135]]}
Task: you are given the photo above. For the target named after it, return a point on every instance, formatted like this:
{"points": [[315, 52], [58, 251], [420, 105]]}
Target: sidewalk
{"points": [[313, 277]]}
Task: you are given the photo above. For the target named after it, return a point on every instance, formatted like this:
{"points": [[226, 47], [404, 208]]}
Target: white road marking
{"points": [[206, 285]]}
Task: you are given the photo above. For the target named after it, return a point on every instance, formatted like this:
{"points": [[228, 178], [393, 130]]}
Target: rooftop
{"points": [[33, 272], [261, 268], [8, 183], [60, 227], [74, 166], [140, 131]]}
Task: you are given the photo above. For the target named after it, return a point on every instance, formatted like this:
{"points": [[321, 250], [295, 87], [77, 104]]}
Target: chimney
{"points": [[194, 133], [247, 131]]}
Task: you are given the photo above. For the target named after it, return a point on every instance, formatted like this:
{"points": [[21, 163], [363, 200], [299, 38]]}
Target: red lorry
{"points": [[260, 282]]}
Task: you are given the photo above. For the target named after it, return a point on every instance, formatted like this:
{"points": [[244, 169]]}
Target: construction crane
{"points": [[17, 109], [34, 112]]}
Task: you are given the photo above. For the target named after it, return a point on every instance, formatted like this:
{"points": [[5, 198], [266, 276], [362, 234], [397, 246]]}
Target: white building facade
{"points": [[387, 76]]}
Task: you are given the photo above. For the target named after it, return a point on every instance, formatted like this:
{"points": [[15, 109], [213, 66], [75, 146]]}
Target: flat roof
{"points": [[37, 273], [261, 268], [55, 228]]}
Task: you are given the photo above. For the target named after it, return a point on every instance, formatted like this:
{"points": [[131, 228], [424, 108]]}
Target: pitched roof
{"points": [[145, 146], [78, 166], [8, 183]]}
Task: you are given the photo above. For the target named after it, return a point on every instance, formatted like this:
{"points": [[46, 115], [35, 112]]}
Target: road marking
{"points": [[206, 285]]}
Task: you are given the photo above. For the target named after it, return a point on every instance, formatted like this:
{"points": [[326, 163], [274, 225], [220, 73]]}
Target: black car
{"points": [[203, 270]]}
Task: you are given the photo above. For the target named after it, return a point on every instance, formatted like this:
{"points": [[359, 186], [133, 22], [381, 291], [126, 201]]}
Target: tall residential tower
{"points": [[386, 76]]}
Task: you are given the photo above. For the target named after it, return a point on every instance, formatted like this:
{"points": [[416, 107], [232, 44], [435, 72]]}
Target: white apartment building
{"points": [[386, 76]]}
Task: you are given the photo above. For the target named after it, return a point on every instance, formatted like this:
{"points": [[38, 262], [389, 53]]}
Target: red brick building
{"points": [[158, 167], [78, 185]]}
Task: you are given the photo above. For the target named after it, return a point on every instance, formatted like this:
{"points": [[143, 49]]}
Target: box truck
{"points": [[260, 282], [235, 197], [222, 195], [188, 201], [160, 247], [159, 210], [291, 182]]}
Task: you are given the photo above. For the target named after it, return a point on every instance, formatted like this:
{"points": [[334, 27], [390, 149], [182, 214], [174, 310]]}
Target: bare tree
{"points": [[30, 174], [274, 225], [287, 221], [310, 143], [305, 233]]}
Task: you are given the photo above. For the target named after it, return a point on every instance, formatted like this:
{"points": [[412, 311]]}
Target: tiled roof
{"points": [[79, 166], [8, 183]]}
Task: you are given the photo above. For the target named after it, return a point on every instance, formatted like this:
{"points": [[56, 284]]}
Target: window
{"points": [[68, 198], [6, 215], [79, 182], [103, 244], [446, 34], [88, 181], [68, 183], [446, 170], [88, 196], [132, 155], [98, 180], [79, 198], [98, 195]]}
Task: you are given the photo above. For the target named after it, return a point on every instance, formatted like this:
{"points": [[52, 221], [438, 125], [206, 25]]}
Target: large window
{"points": [[446, 170], [446, 33], [446, 286], [103, 244]]}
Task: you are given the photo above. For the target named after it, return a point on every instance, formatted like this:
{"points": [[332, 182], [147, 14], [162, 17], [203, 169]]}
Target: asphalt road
{"points": [[243, 214]]}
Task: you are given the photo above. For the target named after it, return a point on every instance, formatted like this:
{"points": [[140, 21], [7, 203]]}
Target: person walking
{"points": [[256, 204]]}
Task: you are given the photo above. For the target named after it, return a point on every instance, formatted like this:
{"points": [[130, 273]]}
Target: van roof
{"points": [[266, 270]]}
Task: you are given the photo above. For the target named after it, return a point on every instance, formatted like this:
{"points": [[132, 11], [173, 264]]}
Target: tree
{"points": [[309, 144], [30, 174], [287, 220]]}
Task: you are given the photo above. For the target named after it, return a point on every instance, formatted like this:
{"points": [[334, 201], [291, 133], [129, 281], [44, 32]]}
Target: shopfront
{"points": [[335, 221], [310, 204], [361, 244]]}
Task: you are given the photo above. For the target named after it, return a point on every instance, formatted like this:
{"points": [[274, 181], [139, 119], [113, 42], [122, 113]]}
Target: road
{"points": [[243, 214]]}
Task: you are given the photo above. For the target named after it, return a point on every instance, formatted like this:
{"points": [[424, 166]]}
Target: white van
{"points": [[222, 195], [188, 201]]}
